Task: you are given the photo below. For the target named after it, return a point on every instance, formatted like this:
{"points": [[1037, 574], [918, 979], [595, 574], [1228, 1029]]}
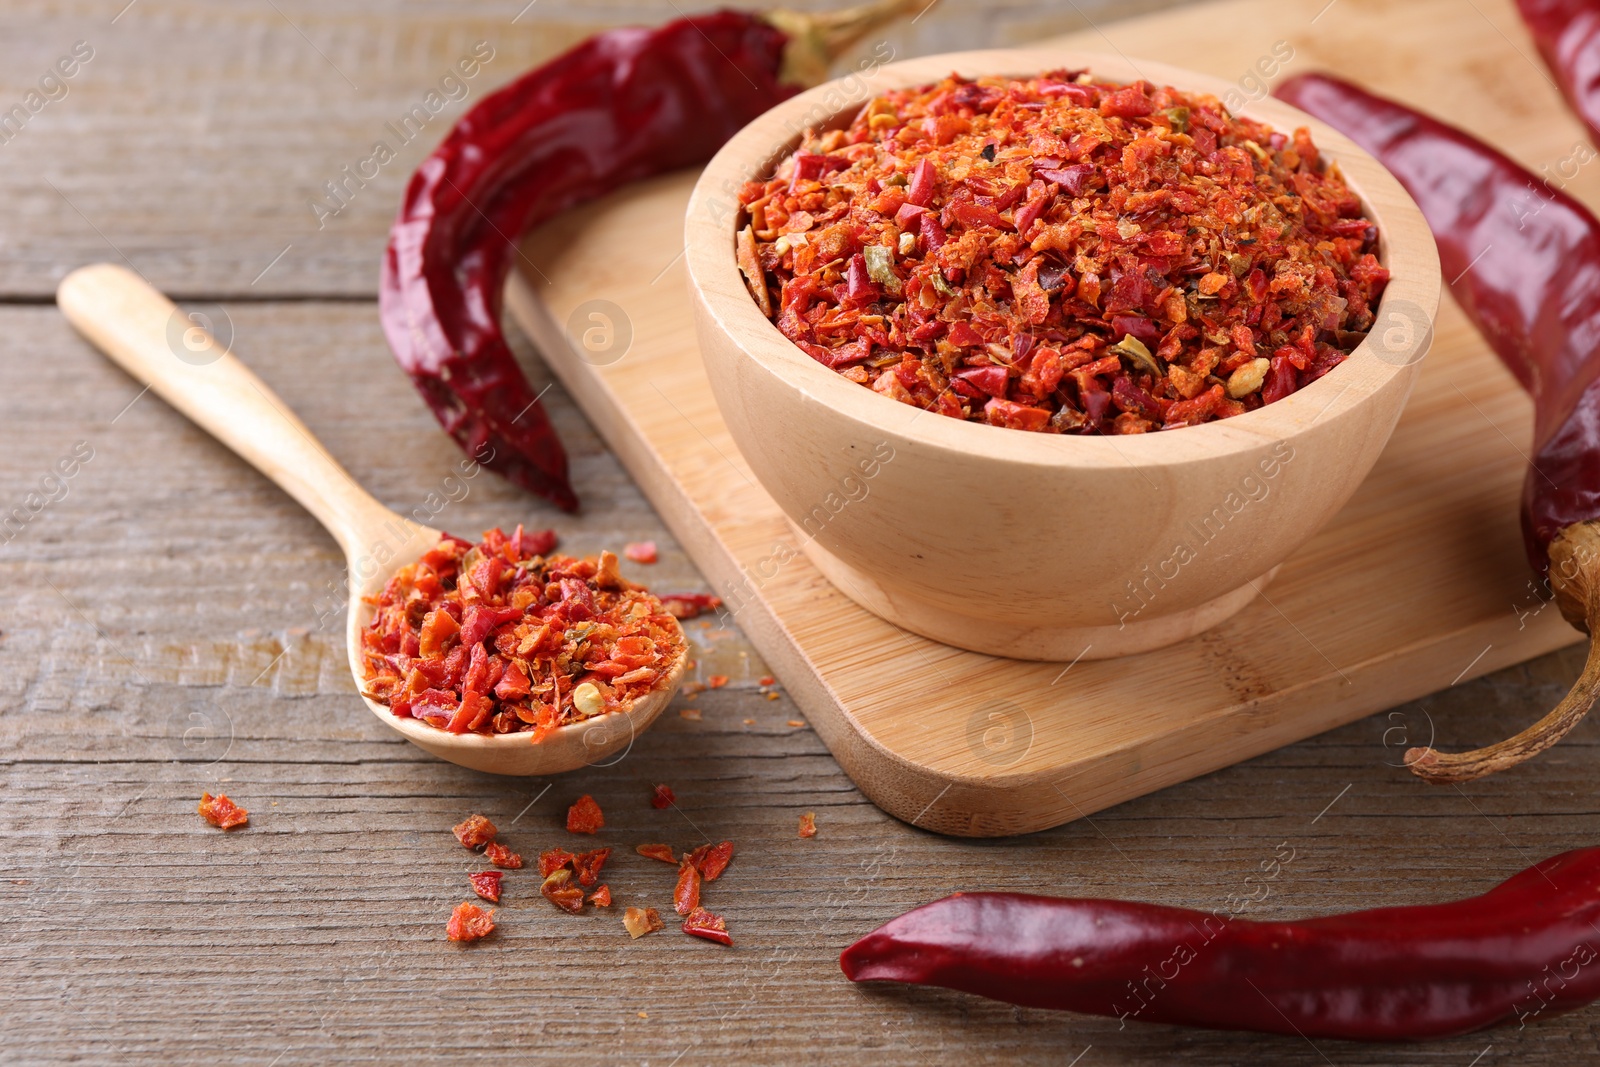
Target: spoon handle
{"points": [[149, 337]]}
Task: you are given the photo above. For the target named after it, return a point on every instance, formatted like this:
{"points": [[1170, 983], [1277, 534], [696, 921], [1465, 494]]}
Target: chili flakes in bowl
{"points": [[1062, 255], [497, 638]]}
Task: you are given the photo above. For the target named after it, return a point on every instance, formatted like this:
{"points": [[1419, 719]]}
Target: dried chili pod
{"points": [[1524, 259], [1526, 949], [623, 105], [1567, 33]]}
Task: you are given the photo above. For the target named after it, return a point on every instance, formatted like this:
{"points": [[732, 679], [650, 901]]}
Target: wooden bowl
{"points": [[1040, 546]]}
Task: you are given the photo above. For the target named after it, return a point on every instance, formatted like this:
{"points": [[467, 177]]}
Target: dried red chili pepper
{"points": [[641, 551], [684, 606], [586, 865], [716, 681], [712, 860], [501, 856], [553, 860], [601, 898], [559, 890], [686, 895], [641, 921], [1568, 35], [469, 922], [221, 812], [486, 884], [1388, 974], [585, 817], [1530, 282], [662, 798], [657, 852], [701, 923], [938, 250], [620, 106], [474, 831], [808, 825], [499, 637]]}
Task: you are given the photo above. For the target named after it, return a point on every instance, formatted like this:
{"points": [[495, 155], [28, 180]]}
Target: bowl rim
{"points": [[1406, 247]]}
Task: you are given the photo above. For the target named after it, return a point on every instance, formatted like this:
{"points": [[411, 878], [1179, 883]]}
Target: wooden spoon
{"points": [[144, 333]]}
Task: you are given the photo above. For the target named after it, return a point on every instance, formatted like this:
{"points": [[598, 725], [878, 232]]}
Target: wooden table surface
{"points": [[172, 623]]}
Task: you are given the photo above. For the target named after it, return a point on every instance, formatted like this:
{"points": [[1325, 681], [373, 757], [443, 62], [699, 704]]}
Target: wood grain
{"points": [[167, 614]]}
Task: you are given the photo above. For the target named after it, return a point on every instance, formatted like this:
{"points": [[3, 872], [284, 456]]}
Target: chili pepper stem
{"points": [[816, 40], [1575, 578]]}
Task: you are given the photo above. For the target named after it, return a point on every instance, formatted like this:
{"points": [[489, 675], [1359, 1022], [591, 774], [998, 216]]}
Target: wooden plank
{"points": [[185, 574], [197, 139], [1379, 605]]}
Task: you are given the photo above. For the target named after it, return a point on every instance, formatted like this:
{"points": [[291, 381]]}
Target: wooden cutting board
{"points": [[1419, 583]]}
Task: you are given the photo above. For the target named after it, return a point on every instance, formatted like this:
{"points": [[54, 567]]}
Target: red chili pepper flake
{"points": [[498, 638], [558, 890], [712, 860], [701, 923], [796, 723], [469, 922], [641, 921], [657, 852], [584, 817], [601, 898], [221, 812], [663, 797], [717, 681], [640, 551], [553, 860], [808, 825], [586, 865], [474, 831], [766, 679], [486, 884], [684, 606], [501, 856], [691, 714], [686, 895], [1060, 255]]}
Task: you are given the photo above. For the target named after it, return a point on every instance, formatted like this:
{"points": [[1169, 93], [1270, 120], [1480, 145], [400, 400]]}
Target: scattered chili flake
{"points": [[717, 681], [640, 551], [808, 825], [701, 923], [474, 831], [663, 797], [601, 898], [221, 812], [558, 890], [486, 884], [686, 895], [553, 860], [712, 860], [657, 852], [749, 722], [584, 816], [766, 679], [772, 696], [692, 714], [641, 921], [469, 922], [1061, 255], [796, 722], [586, 865], [501, 856], [498, 638], [689, 605]]}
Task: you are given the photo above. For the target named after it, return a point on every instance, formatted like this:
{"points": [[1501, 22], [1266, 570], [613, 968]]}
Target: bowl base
{"points": [[1051, 643]]}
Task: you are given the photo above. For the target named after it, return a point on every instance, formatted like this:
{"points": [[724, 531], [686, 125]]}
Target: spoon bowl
{"points": [[145, 333]]}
